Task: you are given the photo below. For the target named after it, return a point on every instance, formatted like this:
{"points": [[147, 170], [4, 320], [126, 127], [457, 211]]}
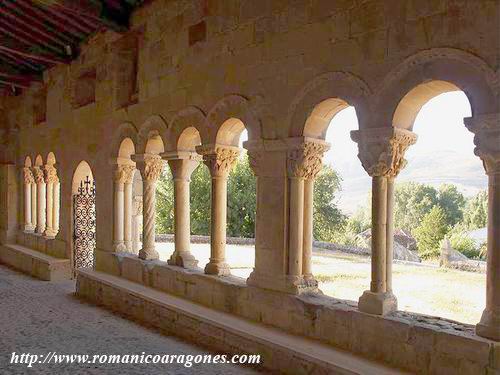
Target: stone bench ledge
{"points": [[219, 330], [34, 263]]}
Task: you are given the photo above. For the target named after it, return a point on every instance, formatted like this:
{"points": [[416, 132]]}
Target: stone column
{"points": [[128, 172], [487, 140], [29, 181], [150, 167], [57, 205], [34, 201], [41, 200], [182, 165], [304, 163], [381, 151], [136, 224], [51, 180], [118, 240], [390, 232], [219, 160]]}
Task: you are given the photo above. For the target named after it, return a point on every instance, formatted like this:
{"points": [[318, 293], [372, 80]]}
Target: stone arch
{"points": [[229, 132], [321, 99], [188, 139], [429, 73], [153, 133], [228, 108], [125, 130], [191, 118]]}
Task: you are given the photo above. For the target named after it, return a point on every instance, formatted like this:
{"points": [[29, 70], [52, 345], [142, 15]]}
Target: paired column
{"points": [[304, 162], [122, 207], [182, 165], [29, 182], [381, 151], [41, 210], [150, 167], [52, 208], [487, 140], [219, 159], [136, 223]]}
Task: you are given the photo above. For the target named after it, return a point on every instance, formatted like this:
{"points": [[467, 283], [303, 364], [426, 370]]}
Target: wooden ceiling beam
{"points": [[29, 19], [45, 59], [23, 78], [15, 62], [27, 38], [39, 38], [14, 84]]}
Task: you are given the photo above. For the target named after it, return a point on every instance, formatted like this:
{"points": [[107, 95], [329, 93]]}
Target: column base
{"points": [[50, 233], [286, 284], [183, 259], [119, 248], [377, 303], [29, 228], [489, 326], [217, 268], [148, 254]]}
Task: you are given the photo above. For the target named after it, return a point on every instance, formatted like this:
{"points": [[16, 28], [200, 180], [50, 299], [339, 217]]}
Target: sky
{"points": [[444, 152]]}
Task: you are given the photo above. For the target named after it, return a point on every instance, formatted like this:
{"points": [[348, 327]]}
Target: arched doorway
{"points": [[84, 217]]}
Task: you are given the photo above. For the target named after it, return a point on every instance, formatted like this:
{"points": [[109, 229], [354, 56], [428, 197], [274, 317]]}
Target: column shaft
{"points": [[127, 213], [49, 230], [34, 202], [379, 234], [307, 246], [148, 251], [41, 207], [118, 241], [390, 232], [217, 264], [296, 232], [27, 208], [57, 204]]}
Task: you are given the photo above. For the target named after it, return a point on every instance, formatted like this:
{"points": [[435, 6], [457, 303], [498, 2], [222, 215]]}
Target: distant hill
{"points": [[433, 168]]}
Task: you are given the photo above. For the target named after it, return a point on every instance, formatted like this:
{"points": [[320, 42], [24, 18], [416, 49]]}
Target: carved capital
{"points": [[486, 129], [182, 163], [51, 174], [305, 159], [219, 159], [124, 174], [153, 165], [381, 150], [28, 176], [39, 175]]}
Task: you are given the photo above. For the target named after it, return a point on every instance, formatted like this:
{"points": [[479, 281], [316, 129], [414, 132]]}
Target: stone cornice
{"points": [[381, 150]]}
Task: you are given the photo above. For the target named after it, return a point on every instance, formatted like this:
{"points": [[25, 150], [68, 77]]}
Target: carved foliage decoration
{"points": [[305, 161], [220, 160], [51, 174], [28, 176], [153, 165], [124, 174], [381, 151], [39, 175], [487, 140]]}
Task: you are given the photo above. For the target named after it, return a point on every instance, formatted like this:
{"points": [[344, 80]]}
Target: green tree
{"points": [[452, 202], [431, 232], [412, 201], [165, 203], [200, 200], [241, 200], [461, 241], [476, 211], [328, 220]]}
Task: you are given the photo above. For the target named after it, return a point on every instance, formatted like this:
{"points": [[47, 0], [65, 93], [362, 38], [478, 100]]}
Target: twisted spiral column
{"points": [[151, 167]]}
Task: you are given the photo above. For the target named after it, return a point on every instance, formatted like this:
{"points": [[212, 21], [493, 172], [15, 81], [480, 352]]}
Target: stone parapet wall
{"points": [[51, 246], [409, 341]]}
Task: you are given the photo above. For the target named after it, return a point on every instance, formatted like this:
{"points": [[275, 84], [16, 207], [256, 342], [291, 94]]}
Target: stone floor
{"points": [[41, 317]]}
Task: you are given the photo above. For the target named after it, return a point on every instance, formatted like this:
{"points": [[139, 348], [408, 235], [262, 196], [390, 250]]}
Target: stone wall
{"points": [[417, 343]]}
